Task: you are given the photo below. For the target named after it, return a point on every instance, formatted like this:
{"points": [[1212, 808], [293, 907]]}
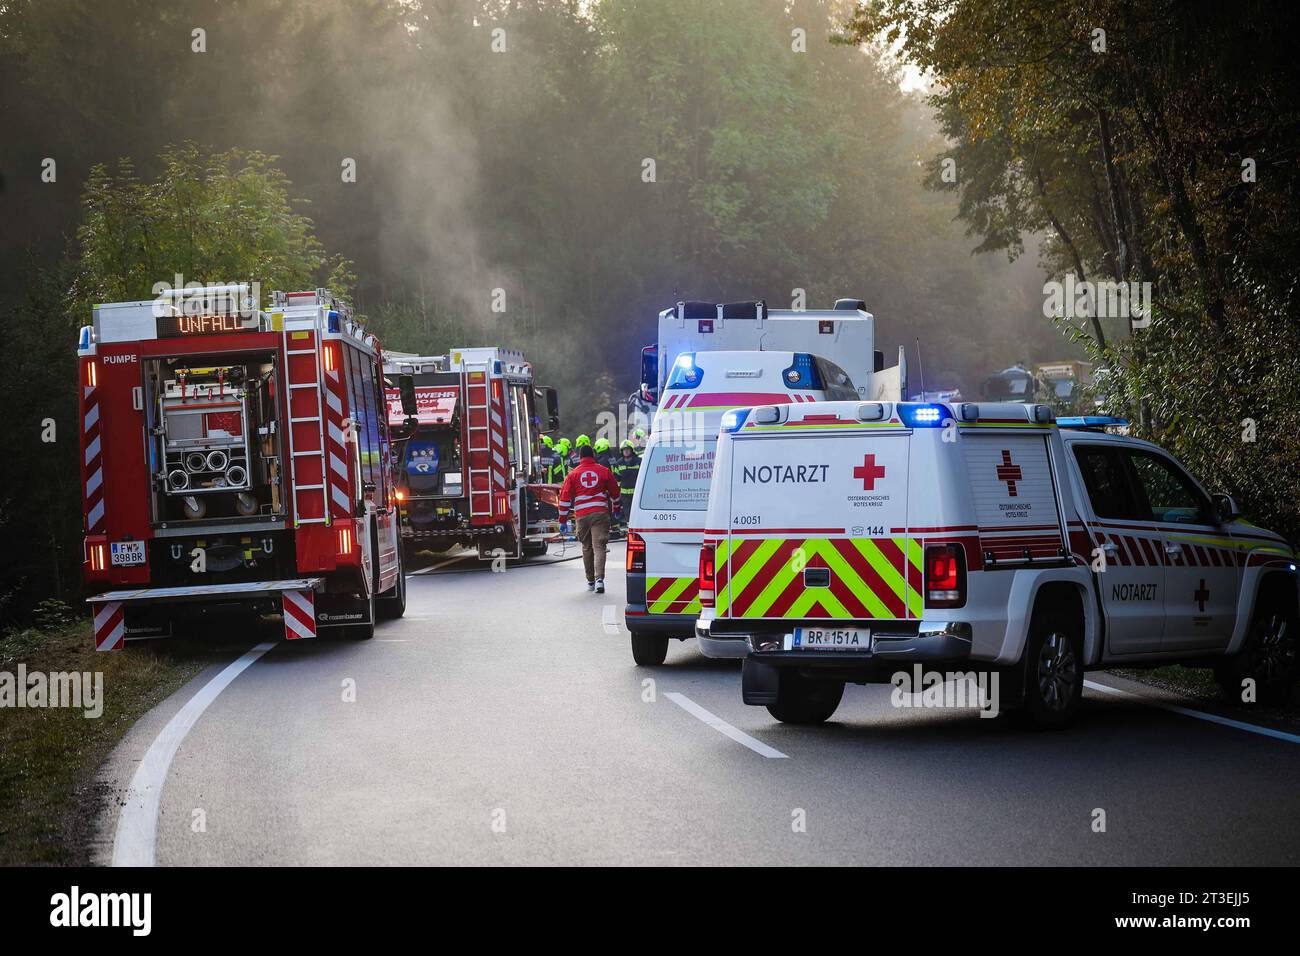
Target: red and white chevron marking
{"points": [[299, 614], [93, 462], [336, 449], [110, 625], [500, 463]]}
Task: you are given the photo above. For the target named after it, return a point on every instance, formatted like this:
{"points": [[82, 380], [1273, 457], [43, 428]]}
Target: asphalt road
{"points": [[501, 722]]}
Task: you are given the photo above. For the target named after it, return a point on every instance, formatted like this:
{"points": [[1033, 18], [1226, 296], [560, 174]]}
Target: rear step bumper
{"points": [[930, 641], [296, 598], [207, 592]]}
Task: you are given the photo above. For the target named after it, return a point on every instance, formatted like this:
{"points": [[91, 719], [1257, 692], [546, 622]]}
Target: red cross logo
{"points": [[1009, 473], [589, 479], [869, 472], [1201, 595]]}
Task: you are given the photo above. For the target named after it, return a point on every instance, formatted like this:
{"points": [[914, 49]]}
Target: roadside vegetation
{"points": [[49, 797]]}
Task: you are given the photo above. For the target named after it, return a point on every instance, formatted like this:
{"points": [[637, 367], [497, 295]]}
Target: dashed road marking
{"points": [[722, 727]]}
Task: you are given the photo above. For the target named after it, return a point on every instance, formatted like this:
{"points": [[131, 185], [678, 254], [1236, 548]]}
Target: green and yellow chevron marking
{"points": [[670, 600], [784, 595]]}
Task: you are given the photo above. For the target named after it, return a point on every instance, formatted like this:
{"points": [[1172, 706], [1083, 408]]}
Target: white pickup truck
{"points": [[850, 541]]}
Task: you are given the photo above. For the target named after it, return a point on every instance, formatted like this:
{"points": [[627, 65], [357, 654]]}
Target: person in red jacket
{"points": [[592, 491]]}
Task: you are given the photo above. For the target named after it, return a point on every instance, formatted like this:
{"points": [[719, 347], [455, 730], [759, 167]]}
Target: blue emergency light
{"points": [[734, 420], [686, 374], [922, 415], [803, 373]]}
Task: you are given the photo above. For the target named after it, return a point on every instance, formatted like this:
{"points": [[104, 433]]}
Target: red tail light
{"points": [[635, 553], [945, 576], [707, 576]]}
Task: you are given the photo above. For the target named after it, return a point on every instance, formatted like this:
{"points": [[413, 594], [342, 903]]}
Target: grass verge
{"points": [[49, 756], [1199, 686]]}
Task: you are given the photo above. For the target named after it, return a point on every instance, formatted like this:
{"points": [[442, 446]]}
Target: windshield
{"points": [[426, 458], [676, 477]]}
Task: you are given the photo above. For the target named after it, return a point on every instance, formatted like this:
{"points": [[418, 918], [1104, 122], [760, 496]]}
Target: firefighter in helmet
{"points": [[603, 456], [548, 460], [575, 454], [561, 462], [626, 467]]}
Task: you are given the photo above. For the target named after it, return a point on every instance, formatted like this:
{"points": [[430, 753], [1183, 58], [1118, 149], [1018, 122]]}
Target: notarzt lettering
{"points": [[784, 474], [1133, 592]]}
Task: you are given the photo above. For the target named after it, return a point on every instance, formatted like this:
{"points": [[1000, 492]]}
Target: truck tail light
{"points": [[635, 553], [945, 576], [707, 577], [92, 374], [345, 540], [96, 557]]}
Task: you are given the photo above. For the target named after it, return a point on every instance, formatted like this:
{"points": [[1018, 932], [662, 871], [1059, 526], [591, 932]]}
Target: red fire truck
{"points": [[471, 471], [236, 457]]}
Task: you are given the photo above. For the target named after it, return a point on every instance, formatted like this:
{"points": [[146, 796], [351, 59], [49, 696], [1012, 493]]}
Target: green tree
{"points": [[1153, 142], [213, 218]]}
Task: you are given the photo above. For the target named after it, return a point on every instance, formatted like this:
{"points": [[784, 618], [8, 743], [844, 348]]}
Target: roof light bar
{"points": [[1091, 421]]}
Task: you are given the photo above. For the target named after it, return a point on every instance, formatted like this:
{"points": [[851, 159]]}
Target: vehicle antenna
{"points": [[920, 367]]}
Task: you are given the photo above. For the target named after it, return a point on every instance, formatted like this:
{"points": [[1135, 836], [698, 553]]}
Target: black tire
{"points": [[535, 549], [805, 700], [1053, 671], [649, 650], [1269, 656], [392, 603]]}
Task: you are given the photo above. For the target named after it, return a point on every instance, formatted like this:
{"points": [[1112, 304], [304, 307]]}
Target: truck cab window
{"points": [[1171, 495], [1109, 489]]}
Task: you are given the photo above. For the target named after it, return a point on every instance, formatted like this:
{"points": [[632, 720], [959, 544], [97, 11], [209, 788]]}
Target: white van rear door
{"points": [[671, 504]]}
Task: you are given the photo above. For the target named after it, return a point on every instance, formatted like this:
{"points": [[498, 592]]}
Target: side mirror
{"points": [[406, 387], [1225, 508], [552, 408]]}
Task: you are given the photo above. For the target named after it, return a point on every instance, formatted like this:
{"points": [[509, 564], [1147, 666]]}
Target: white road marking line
{"points": [[1198, 714], [443, 564], [137, 827], [722, 727]]}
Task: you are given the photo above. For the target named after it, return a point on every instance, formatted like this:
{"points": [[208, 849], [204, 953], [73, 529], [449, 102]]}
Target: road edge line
{"points": [[135, 839], [1197, 714]]}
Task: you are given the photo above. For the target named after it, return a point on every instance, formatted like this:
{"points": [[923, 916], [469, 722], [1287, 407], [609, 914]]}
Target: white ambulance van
{"points": [[857, 541], [666, 524]]}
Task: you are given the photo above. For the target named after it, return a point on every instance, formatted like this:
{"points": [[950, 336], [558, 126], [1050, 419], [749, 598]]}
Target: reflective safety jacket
{"points": [[552, 469], [626, 470], [589, 489]]}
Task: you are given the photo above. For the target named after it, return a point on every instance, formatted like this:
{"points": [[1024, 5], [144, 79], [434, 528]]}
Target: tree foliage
{"points": [[500, 149], [1155, 141]]}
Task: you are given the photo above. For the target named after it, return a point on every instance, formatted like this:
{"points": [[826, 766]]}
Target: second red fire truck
{"points": [[471, 473]]}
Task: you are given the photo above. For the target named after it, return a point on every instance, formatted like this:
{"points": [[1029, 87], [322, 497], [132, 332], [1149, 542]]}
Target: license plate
{"points": [[829, 639], [127, 554]]}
